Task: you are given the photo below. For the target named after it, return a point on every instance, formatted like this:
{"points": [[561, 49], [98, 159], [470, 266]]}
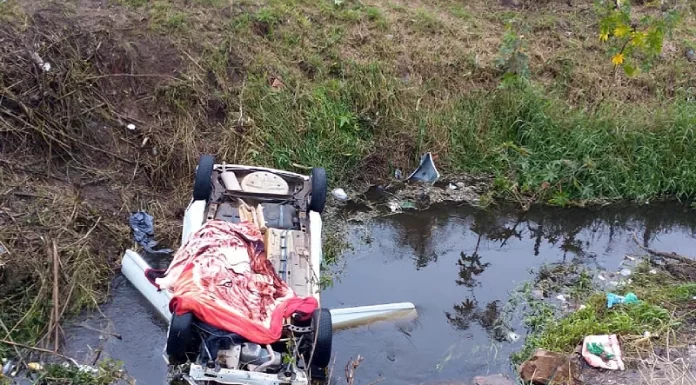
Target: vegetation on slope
{"points": [[359, 87]]}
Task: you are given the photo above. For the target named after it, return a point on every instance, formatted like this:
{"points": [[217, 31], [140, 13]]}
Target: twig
{"points": [[56, 294], [116, 335], [673, 256], [351, 366], [17, 344]]}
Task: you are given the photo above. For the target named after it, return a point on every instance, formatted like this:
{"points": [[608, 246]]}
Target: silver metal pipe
{"points": [[268, 363]]}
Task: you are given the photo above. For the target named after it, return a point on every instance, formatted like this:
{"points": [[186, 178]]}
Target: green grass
{"points": [[659, 312]]}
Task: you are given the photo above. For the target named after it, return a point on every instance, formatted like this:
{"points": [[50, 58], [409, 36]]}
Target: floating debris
{"points": [[625, 272], [512, 336], [561, 298], [35, 366]]}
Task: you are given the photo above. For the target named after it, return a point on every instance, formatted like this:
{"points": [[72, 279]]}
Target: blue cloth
{"points": [[143, 226], [614, 299]]}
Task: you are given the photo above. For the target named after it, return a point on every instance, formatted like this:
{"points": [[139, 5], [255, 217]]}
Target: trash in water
{"points": [[613, 299], [35, 366], [339, 194], [625, 272], [512, 337], [602, 352], [601, 277], [143, 227], [407, 205], [426, 171], [561, 297]]}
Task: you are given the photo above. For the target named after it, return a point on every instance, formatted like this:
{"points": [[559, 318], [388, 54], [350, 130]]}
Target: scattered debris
{"points": [[512, 336], [397, 174], [561, 298], [547, 367], [35, 366], [601, 277], [690, 55], [653, 271], [7, 367], [614, 299], [538, 293], [602, 351], [451, 187], [582, 307], [131, 127], [339, 194], [426, 171], [276, 84], [495, 379], [143, 227], [625, 272]]}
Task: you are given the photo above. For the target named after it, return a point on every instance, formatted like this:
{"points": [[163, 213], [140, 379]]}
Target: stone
{"points": [[496, 379], [546, 366]]}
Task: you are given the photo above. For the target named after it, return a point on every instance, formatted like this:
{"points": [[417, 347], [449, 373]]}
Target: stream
{"points": [[457, 264]]}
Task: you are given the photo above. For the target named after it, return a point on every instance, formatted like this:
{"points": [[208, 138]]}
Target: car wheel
{"points": [[317, 199], [323, 338], [202, 184], [178, 338]]}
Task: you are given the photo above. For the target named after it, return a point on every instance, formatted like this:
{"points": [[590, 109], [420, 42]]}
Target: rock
{"points": [[546, 366], [496, 379]]}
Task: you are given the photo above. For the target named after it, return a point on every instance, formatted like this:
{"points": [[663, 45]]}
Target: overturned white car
{"points": [[242, 293]]}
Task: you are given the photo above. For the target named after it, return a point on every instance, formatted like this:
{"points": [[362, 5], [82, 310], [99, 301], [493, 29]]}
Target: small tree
{"points": [[633, 44]]}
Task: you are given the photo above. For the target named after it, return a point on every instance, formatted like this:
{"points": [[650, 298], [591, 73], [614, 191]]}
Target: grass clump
{"points": [[662, 308], [107, 372]]}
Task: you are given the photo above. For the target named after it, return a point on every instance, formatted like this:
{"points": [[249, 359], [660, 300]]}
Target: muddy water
{"points": [[457, 265]]}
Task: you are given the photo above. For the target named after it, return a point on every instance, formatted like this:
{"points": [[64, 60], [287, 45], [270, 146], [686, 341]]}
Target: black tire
{"points": [[323, 338], [179, 338], [317, 199], [202, 185]]}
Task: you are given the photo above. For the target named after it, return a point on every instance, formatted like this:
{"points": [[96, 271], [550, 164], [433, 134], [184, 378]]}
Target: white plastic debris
{"points": [[653, 271], [394, 206], [512, 336], [339, 194], [131, 127], [646, 334], [46, 67], [35, 366], [451, 187], [561, 297], [625, 272], [582, 307], [629, 258], [601, 277]]}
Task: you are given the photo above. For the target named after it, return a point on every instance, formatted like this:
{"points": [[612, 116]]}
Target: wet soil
{"points": [[457, 264]]}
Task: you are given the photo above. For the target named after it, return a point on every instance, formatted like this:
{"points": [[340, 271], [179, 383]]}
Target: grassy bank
{"points": [[357, 87], [666, 312]]}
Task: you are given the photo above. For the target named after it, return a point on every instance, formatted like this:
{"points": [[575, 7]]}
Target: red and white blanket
{"points": [[221, 275]]}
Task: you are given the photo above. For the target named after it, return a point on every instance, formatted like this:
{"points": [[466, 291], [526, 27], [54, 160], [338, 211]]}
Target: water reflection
{"points": [[570, 231]]}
